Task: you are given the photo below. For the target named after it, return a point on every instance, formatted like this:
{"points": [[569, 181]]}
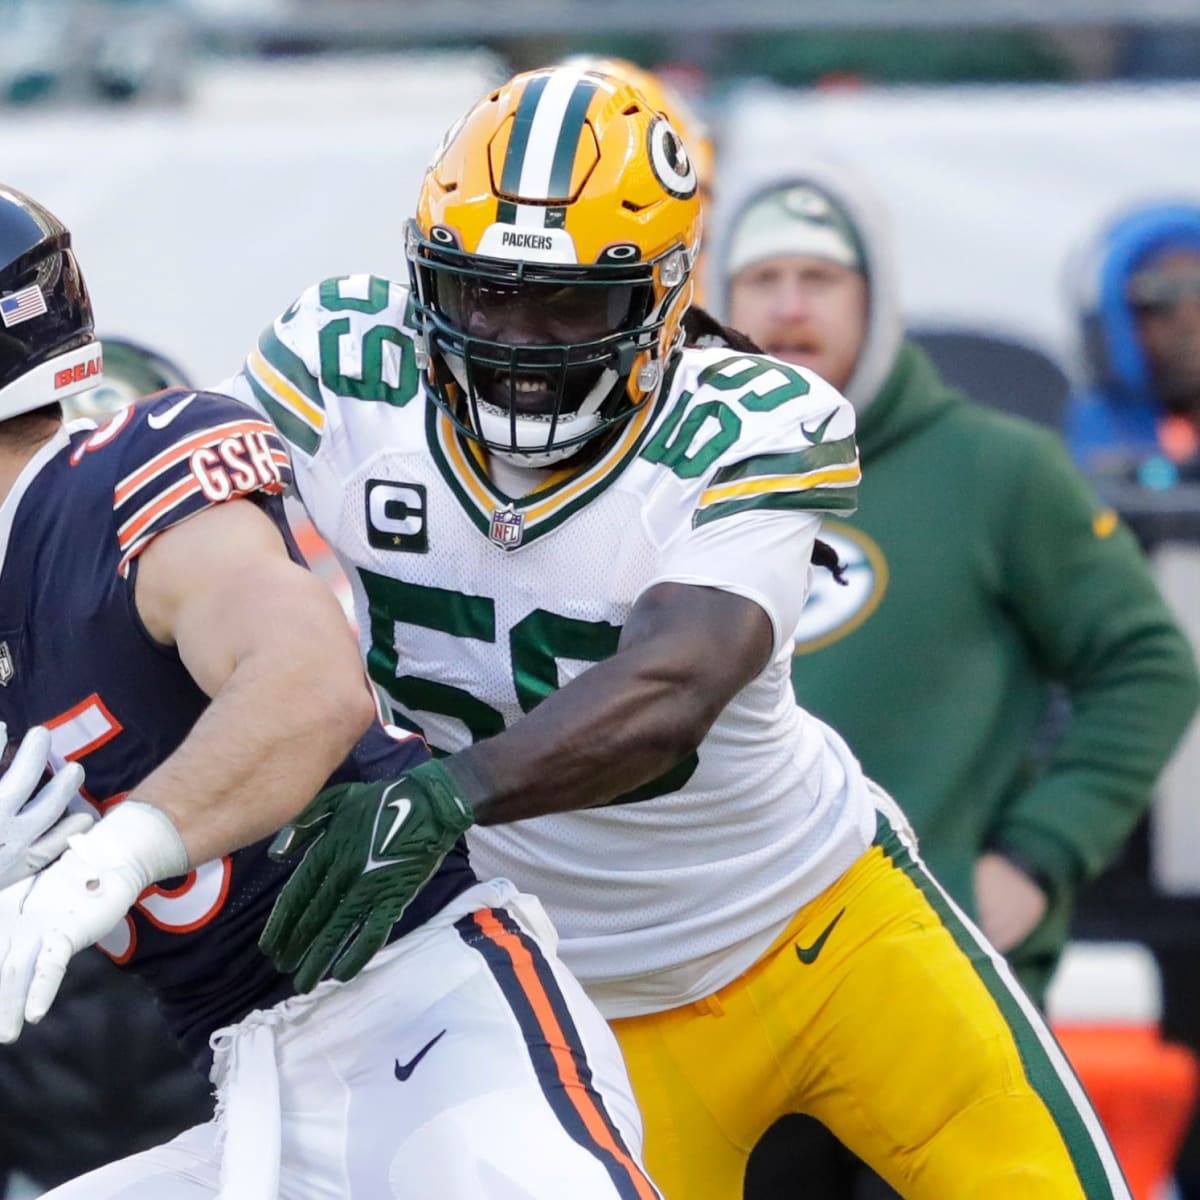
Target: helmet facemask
{"points": [[532, 360]]}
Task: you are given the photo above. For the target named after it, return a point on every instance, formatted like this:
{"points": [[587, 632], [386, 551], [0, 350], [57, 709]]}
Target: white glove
{"points": [[75, 901], [29, 835]]}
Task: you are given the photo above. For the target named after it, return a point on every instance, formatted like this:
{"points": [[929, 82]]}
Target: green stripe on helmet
{"points": [[559, 187], [518, 142]]}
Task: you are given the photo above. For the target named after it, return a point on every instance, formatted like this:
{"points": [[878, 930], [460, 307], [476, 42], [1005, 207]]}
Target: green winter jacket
{"points": [[981, 570]]}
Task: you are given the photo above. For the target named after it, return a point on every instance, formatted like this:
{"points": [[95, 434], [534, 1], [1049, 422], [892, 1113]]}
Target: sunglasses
{"points": [[1158, 293]]}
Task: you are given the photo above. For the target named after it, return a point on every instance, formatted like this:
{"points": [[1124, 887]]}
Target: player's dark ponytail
{"points": [[703, 330], [824, 555]]}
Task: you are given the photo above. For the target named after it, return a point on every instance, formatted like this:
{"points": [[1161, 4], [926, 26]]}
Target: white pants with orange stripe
{"points": [[464, 1062]]}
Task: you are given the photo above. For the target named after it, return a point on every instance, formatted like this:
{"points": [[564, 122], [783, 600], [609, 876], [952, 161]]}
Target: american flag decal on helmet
{"points": [[22, 306]]}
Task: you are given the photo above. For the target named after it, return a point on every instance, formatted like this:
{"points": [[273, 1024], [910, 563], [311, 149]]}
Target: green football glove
{"points": [[371, 847]]}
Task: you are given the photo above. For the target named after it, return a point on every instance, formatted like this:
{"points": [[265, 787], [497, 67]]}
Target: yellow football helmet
{"points": [[551, 261], [666, 101]]}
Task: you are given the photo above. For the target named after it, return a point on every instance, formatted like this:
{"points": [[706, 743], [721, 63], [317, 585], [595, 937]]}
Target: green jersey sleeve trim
{"points": [[842, 501], [291, 366], [294, 430], [796, 462], [287, 391]]}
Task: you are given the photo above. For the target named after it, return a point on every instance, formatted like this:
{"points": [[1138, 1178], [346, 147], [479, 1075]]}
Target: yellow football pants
{"points": [[882, 1012]]}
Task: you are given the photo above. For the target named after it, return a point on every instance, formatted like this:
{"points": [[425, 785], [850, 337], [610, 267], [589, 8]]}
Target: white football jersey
{"points": [[473, 606]]}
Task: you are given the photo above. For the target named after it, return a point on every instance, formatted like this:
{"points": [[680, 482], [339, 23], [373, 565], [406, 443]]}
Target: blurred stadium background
{"points": [[214, 156]]}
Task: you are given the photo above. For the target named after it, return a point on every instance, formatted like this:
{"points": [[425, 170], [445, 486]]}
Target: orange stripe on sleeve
{"points": [[169, 499], [181, 450]]}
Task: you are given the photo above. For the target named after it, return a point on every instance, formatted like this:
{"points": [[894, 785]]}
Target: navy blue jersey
{"points": [[75, 656]]}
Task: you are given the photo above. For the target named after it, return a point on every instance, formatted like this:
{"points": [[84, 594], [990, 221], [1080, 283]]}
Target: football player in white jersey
{"points": [[575, 547], [157, 628]]}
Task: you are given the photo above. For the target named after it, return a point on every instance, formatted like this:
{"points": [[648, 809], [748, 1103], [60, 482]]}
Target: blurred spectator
{"points": [[87, 50], [1140, 315], [982, 570], [1158, 52]]}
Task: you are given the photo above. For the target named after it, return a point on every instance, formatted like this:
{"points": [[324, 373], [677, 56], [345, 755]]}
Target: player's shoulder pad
{"points": [[180, 451], [756, 433], [346, 338]]}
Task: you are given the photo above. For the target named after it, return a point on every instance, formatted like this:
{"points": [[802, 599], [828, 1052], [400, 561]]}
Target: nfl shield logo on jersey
{"points": [[508, 526], [7, 670]]}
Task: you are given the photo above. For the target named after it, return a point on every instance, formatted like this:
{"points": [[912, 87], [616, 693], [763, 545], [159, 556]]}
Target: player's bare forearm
{"points": [[685, 652], [268, 642]]}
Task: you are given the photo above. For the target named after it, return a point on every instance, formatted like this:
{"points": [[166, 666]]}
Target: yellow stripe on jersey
{"points": [[283, 391], [465, 476], [849, 476], [472, 474]]}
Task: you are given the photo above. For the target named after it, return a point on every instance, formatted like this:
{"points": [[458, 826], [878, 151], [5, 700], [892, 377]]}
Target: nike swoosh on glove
{"points": [[33, 829], [371, 847]]}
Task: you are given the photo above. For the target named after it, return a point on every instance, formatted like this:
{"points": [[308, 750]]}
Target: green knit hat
{"points": [[794, 219]]}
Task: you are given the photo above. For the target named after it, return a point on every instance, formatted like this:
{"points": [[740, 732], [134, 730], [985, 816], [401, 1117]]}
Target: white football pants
{"points": [[463, 1063]]}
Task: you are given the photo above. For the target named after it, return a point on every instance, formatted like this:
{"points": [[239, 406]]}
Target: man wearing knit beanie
{"points": [[982, 570]]}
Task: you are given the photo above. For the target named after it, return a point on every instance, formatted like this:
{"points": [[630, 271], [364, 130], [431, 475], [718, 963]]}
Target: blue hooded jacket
{"points": [[1116, 419]]}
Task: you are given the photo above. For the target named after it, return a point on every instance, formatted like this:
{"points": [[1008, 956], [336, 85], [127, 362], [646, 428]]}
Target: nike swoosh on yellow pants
{"points": [[906, 1035]]}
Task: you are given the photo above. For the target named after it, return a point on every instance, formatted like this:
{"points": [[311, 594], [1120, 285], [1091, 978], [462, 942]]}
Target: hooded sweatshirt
{"points": [[1113, 423], [981, 570]]}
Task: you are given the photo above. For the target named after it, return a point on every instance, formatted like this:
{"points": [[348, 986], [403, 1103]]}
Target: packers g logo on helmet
{"points": [[551, 260], [669, 158]]}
